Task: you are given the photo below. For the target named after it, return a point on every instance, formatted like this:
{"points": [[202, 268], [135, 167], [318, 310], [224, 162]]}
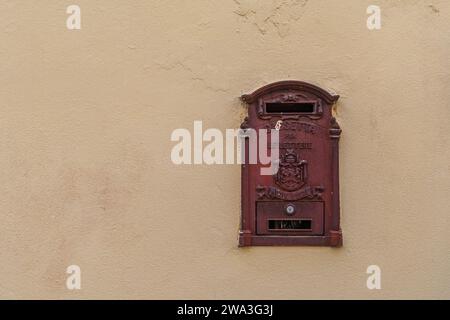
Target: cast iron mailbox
{"points": [[299, 204]]}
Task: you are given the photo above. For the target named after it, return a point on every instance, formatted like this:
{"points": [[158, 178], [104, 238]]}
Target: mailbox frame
{"points": [[306, 107]]}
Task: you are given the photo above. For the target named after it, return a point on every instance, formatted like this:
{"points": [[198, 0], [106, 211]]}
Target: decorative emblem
{"points": [[292, 173], [289, 97]]}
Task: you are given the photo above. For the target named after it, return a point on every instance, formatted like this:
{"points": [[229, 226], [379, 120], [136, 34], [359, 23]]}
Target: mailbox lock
{"points": [[290, 209]]}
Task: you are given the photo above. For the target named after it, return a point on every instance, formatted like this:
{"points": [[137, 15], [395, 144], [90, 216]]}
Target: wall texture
{"points": [[85, 123]]}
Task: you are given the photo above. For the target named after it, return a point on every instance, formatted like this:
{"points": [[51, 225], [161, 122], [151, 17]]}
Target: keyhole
{"points": [[290, 209]]}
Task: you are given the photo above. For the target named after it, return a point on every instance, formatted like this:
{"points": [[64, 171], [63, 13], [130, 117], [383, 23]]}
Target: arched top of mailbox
{"points": [[290, 85]]}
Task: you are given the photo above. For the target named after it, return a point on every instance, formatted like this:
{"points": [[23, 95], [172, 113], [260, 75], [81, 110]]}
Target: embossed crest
{"points": [[292, 172]]}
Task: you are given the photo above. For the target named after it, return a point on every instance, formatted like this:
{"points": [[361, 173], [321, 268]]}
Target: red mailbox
{"points": [[299, 204]]}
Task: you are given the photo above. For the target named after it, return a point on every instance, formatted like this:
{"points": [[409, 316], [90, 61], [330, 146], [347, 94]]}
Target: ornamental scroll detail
{"points": [[268, 192]]}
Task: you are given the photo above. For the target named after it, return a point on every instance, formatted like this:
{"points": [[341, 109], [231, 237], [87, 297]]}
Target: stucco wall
{"points": [[85, 123]]}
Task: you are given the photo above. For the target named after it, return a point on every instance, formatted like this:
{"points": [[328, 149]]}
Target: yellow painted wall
{"points": [[85, 123]]}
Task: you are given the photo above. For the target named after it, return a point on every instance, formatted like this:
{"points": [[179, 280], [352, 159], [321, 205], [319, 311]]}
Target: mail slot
{"points": [[293, 218], [299, 203]]}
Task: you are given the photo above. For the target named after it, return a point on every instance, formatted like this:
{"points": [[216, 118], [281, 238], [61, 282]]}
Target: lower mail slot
{"points": [[295, 218], [303, 224]]}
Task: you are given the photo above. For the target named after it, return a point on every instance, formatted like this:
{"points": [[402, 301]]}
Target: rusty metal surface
{"points": [[308, 175]]}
